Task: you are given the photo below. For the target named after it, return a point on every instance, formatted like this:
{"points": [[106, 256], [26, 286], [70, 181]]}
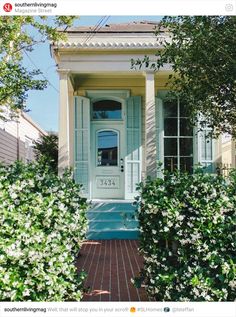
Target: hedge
{"points": [[187, 225], [42, 226]]}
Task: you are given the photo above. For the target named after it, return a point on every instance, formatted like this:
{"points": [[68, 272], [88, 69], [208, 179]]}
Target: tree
{"points": [[202, 52], [46, 148], [19, 34]]}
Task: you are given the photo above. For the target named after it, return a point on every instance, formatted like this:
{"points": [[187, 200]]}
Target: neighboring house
{"points": [[16, 138], [115, 122]]}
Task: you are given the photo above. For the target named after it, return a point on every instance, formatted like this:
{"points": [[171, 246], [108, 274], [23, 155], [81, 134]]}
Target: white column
{"points": [[150, 125], [64, 128]]}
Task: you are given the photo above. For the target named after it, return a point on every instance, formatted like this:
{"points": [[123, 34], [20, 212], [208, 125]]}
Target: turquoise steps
{"points": [[113, 234], [110, 215], [112, 206], [112, 225], [112, 220]]}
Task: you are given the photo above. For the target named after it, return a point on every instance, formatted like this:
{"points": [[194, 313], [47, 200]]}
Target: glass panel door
{"points": [[107, 160]]}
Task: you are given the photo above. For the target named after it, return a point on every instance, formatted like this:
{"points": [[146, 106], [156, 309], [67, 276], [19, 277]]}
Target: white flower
{"points": [[26, 292], [154, 231], [225, 268], [232, 284], [31, 182], [27, 225], [13, 195], [166, 229], [180, 218]]}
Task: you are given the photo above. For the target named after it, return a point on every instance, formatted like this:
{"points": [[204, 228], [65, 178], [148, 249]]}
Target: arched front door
{"points": [[107, 150]]}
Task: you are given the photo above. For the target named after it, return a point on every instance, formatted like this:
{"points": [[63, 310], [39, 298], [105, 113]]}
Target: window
{"points": [[178, 137], [107, 148], [107, 110]]}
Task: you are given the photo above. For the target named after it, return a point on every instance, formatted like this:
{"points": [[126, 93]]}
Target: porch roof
{"points": [[135, 26], [133, 35]]}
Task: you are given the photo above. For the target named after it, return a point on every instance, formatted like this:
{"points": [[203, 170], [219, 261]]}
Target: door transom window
{"points": [[107, 110]]}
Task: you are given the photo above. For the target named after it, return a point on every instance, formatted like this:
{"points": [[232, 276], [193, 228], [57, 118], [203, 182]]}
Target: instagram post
{"points": [[117, 158]]}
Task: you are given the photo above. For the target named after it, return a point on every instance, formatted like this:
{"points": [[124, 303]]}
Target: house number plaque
{"points": [[107, 182]]}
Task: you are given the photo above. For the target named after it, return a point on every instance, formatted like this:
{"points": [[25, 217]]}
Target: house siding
{"points": [[12, 138]]}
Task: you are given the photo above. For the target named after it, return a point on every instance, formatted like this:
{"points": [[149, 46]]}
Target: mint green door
{"points": [[107, 147], [107, 160]]}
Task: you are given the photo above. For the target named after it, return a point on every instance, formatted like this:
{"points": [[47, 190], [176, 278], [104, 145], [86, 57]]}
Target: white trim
{"points": [[68, 121], [63, 136], [30, 120], [90, 63], [150, 124], [100, 94], [159, 134], [195, 138], [111, 45]]}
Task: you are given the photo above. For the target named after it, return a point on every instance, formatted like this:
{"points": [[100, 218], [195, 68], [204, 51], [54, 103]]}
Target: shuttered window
{"points": [[82, 142], [133, 157]]}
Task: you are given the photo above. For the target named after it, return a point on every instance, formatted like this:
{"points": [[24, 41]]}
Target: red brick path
{"points": [[110, 265]]}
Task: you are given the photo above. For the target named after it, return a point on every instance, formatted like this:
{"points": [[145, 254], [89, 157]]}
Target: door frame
{"points": [[118, 95]]}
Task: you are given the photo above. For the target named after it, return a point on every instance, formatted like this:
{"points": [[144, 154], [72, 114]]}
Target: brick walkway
{"points": [[110, 265]]}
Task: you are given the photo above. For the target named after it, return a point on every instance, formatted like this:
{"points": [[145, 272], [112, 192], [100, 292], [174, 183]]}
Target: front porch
{"points": [[115, 123], [110, 154], [103, 98]]}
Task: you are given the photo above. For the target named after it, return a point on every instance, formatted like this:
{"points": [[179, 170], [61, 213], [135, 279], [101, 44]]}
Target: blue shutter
{"points": [[82, 142], [133, 136], [205, 151]]}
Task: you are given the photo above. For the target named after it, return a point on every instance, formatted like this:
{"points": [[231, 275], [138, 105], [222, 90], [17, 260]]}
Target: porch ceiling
{"points": [[83, 78]]}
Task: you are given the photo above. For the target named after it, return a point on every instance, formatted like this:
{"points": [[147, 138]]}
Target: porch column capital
{"points": [[63, 72], [150, 123], [149, 72]]}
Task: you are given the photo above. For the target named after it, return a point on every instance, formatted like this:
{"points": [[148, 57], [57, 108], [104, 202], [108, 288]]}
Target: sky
{"points": [[43, 105]]}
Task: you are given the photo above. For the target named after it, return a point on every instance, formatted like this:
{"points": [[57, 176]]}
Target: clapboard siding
{"points": [[7, 139], [9, 146], [13, 135]]}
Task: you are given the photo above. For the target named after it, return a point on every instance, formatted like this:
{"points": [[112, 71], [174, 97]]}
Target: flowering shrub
{"points": [[42, 225], [187, 225]]}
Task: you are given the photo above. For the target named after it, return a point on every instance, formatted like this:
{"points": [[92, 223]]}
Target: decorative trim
{"points": [[114, 45], [95, 94]]}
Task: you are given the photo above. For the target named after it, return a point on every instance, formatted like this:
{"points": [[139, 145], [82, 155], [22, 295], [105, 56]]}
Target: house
{"points": [[17, 136], [115, 122]]}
